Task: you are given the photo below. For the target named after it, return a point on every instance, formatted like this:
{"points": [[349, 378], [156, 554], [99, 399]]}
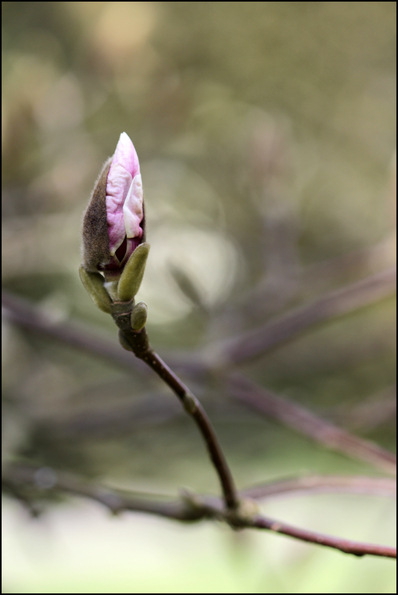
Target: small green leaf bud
{"points": [[190, 403], [139, 316], [133, 272], [94, 285]]}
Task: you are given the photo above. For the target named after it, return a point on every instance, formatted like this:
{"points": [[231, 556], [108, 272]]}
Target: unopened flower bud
{"points": [[114, 221]]}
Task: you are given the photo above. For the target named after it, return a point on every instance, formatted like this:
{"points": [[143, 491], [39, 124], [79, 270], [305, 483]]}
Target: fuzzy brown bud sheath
{"points": [[114, 221]]}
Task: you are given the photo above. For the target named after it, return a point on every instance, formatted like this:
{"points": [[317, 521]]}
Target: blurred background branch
{"points": [[256, 343]]}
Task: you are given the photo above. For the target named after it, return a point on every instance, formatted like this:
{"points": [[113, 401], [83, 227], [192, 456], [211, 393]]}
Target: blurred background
{"points": [[266, 137]]}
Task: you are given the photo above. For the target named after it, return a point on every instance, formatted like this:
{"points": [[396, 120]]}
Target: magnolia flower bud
{"points": [[114, 221]]}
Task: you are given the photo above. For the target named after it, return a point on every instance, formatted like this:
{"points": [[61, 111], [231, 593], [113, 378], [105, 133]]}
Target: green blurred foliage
{"points": [[265, 133]]}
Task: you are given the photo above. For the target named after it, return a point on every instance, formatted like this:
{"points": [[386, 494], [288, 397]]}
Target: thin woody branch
{"points": [[344, 545], [188, 508], [193, 407], [138, 342]]}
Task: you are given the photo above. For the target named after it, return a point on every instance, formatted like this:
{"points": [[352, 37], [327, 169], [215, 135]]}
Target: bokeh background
{"points": [[266, 136]]}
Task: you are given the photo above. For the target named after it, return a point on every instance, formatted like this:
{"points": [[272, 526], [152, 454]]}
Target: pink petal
{"points": [[126, 155], [117, 188], [124, 196], [132, 209]]}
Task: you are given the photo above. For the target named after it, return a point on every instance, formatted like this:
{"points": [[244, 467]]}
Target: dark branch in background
{"points": [[287, 412], [370, 413], [323, 484], [191, 507], [304, 421], [254, 344], [271, 295], [329, 271], [111, 418], [77, 334]]}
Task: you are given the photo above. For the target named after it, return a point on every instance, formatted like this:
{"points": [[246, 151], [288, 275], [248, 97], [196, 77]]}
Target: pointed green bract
{"points": [[139, 316], [94, 285], [133, 272]]}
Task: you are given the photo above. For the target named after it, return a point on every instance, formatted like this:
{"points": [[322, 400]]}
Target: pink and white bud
{"points": [[113, 224]]}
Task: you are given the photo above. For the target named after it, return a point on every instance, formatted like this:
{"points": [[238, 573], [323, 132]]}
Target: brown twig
{"points": [[304, 421], [344, 545], [254, 344], [194, 408], [138, 342], [188, 508]]}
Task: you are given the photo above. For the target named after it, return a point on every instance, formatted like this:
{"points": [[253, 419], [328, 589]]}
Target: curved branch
{"points": [[138, 343], [304, 421], [254, 344], [194, 408]]}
